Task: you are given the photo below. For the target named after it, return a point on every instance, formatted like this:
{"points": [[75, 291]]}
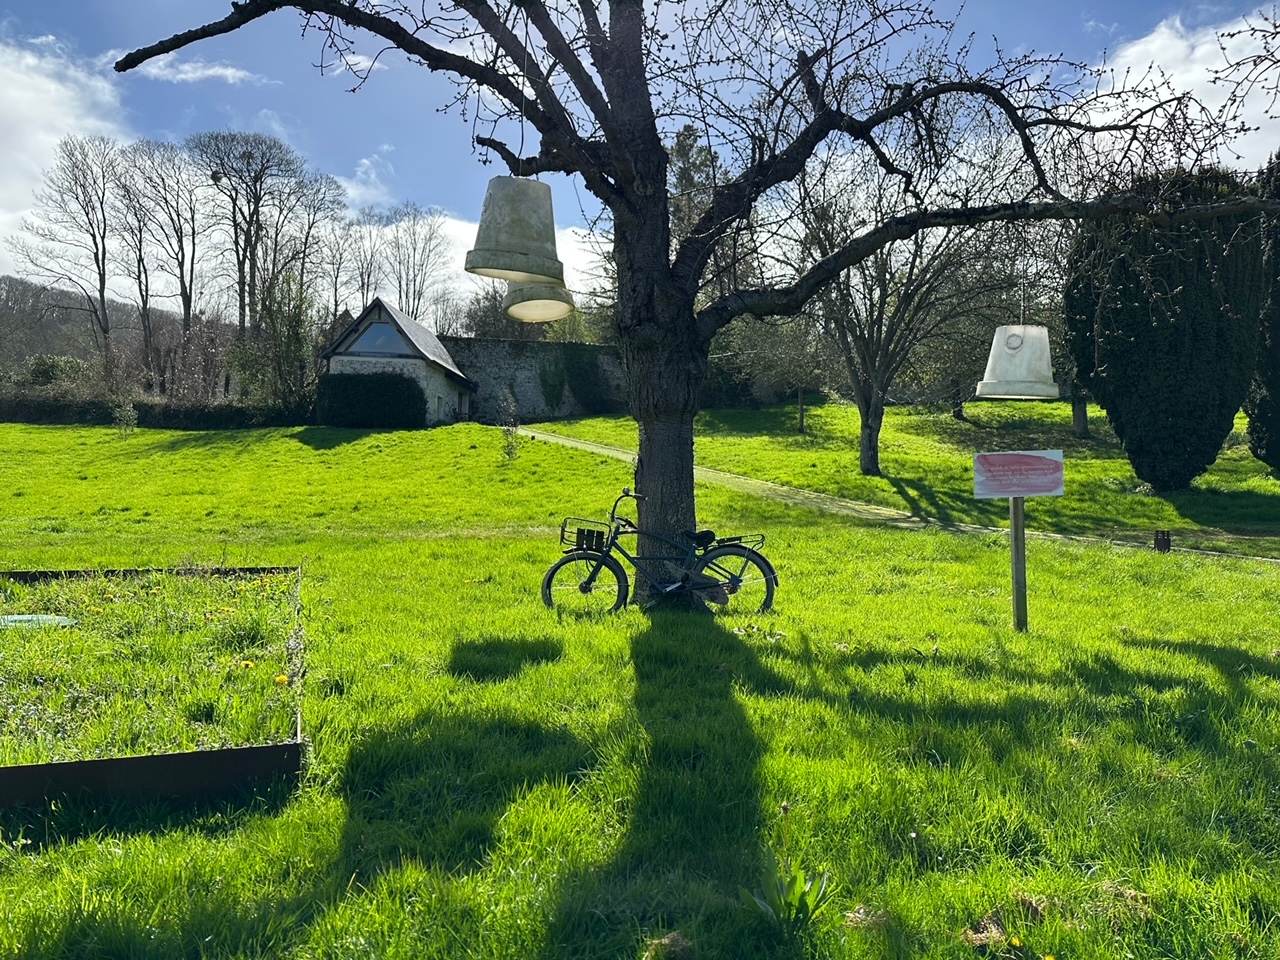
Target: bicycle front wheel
{"points": [[749, 579], [583, 583]]}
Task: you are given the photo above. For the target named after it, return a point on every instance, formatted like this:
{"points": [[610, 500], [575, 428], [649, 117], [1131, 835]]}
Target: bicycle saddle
{"points": [[701, 538]]}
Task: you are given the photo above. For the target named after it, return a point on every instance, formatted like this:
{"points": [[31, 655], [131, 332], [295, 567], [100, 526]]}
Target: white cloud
{"points": [[358, 63], [1189, 56], [366, 188], [44, 96], [172, 70]]}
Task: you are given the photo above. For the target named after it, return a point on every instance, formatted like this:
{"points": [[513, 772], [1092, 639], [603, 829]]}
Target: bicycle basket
{"points": [[582, 534]]}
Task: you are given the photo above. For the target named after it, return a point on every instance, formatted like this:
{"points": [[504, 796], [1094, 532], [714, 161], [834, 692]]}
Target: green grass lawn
{"points": [[488, 780], [926, 457]]}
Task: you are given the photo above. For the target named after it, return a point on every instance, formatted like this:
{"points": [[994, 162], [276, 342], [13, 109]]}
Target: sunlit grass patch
{"points": [[155, 663]]}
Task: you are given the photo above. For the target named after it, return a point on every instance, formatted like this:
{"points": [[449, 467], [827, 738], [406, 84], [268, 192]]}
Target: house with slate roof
{"points": [[385, 340]]}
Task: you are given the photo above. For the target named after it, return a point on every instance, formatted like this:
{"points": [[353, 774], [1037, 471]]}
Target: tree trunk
{"points": [[1079, 415], [663, 383], [872, 413], [665, 361], [800, 404]]}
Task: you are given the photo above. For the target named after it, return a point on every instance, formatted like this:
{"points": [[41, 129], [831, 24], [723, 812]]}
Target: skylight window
{"points": [[381, 338]]}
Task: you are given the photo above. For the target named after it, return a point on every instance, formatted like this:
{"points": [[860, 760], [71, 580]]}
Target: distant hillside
{"points": [[38, 320]]}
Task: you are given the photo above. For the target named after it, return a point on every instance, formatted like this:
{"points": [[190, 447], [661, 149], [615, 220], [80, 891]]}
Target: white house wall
{"points": [[446, 401]]}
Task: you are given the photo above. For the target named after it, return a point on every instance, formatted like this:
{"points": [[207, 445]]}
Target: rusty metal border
{"points": [[195, 774]]}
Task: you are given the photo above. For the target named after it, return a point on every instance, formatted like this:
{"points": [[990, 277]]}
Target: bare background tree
{"points": [[416, 255], [70, 232]]}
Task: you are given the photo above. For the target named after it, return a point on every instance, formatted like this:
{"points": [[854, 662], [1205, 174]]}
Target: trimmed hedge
{"points": [[387, 400], [1163, 325], [45, 407], [1263, 405]]}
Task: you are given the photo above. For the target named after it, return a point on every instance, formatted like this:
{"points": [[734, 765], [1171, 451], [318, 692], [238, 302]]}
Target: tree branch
{"points": [[791, 299], [551, 121]]}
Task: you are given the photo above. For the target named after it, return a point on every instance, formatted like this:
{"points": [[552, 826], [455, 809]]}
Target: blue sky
{"points": [[388, 142]]}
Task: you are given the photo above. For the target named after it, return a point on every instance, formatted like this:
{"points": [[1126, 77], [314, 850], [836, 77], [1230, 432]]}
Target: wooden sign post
{"points": [[1018, 474]]}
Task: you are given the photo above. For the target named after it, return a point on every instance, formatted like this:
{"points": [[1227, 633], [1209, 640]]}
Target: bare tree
{"points": [[334, 250], [173, 192], [256, 176], [446, 311], [774, 85], [879, 311], [129, 208], [70, 232], [415, 253], [367, 245], [1252, 58]]}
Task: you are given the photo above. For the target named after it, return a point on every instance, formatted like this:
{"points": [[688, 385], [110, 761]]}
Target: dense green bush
{"points": [[46, 369], [24, 404], [1263, 405], [370, 400], [1163, 324]]}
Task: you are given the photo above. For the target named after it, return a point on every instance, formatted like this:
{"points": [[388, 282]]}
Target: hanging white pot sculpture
{"points": [[536, 302], [517, 236], [516, 242], [1018, 367]]}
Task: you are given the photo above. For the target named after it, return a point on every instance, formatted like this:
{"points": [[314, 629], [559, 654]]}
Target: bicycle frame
{"points": [[683, 556], [591, 539]]}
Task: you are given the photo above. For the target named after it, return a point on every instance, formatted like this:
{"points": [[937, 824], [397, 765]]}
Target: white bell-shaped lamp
{"points": [[1018, 367], [516, 240], [537, 302]]}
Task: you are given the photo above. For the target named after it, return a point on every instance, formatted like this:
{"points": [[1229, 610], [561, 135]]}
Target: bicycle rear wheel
{"points": [[749, 579], [584, 583]]}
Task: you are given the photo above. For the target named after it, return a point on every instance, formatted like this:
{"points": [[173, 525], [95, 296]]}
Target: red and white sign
{"points": [[1020, 473]]}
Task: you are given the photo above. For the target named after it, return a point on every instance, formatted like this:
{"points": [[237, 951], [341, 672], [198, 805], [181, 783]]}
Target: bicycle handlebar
{"points": [[626, 495]]}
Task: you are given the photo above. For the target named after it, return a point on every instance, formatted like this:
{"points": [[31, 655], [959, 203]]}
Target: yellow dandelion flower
{"points": [[1015, 942], [246, 664], [282, 679]]}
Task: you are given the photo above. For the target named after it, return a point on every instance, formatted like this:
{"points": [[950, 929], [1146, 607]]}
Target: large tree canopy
{"points": [[1163, 326], [773, 87]]}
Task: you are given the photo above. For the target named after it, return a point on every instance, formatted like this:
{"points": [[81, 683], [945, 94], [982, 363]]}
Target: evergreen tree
{"points": [[1263, 405], [1163, 327]]}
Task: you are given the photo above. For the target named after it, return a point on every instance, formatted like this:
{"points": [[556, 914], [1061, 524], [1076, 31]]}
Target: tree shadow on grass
{"points": [[1234, 665], [920, 499], [70, 819], [500, 658], [1244, 512], [330, 438], [695, 825], [432, 791]]}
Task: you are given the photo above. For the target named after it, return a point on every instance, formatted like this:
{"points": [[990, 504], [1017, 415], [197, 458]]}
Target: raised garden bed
{"points": [[148, 683]]}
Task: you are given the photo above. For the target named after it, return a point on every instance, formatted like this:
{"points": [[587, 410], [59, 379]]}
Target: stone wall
{"points": [[547, 380]]}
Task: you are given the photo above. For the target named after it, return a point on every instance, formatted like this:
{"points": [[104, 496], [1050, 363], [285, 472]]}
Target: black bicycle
{"points": [[728, 571]]}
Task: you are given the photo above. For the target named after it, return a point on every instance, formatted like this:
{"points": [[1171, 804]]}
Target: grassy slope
{"points": [[488, 781], [927, 461]]}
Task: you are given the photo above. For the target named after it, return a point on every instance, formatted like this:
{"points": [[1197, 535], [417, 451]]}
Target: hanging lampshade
{"points": [[1018, 367], [537, 302], [517, 236]]}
